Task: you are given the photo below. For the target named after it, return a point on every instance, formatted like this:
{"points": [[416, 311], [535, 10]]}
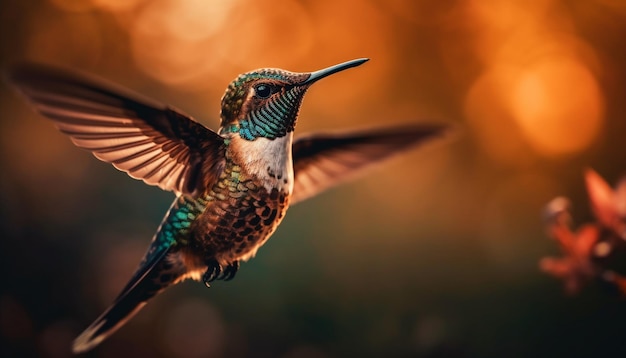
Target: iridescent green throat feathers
{"points": [[232, 187]]}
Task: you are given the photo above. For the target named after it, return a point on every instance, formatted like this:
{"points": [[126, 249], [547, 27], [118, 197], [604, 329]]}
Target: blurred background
{"points": [[433, 255]]}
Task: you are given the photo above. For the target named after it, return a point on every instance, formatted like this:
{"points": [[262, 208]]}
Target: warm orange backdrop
{"points": [[435, 254]]}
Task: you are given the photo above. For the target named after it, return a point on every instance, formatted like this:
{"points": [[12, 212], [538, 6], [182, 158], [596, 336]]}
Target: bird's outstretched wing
{"points": [[142, 137], [322, 161]]}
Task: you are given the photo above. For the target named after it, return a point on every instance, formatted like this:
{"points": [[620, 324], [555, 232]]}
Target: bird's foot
{"points": [[213, 271], [230, 271]]}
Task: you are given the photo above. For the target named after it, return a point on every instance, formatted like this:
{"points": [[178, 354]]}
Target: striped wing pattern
{"points": [[325, 160], [139, 136]]}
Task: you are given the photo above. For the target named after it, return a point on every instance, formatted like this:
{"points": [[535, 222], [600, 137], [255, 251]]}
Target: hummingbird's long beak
{"points": [[318, 75]]}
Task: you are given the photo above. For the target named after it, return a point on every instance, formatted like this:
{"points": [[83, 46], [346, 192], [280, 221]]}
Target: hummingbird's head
{"points": [[265, 102]]}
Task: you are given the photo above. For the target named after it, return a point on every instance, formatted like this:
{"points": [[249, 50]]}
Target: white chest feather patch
{"points": [[268, 160]]}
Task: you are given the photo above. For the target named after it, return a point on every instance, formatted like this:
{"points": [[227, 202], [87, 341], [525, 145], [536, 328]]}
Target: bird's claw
{"points": [[230, 271], [215, 271]]}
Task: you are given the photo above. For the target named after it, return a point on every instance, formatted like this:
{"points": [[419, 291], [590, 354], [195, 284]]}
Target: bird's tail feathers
{"points": [[152, 278]]}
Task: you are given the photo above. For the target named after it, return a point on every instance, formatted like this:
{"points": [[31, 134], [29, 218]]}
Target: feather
{"points": [[325, 160], [142, 137]]}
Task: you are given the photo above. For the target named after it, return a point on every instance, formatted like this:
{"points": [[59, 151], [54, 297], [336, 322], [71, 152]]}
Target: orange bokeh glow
{"points": [[115, 5], [171, 40], [558, 106], [538, 88], [400, 261], [490, 117]]}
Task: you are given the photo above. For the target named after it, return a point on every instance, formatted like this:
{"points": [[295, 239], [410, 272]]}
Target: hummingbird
{"points": [[232, 187]]}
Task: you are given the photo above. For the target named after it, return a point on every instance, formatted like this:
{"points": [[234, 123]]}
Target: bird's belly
{"points": [[236, 223]]}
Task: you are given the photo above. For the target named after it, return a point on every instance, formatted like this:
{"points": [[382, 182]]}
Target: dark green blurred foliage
{"points": [[433, 255]]}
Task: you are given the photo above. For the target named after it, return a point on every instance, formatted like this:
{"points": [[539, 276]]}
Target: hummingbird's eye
{"points": [[263, 90]]}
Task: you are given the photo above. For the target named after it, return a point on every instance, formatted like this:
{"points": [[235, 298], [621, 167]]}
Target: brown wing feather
{"points": [[138, 135], [322, 161]]}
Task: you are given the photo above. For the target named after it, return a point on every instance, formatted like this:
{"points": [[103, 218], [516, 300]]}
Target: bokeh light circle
{"points": [[558, 106]]}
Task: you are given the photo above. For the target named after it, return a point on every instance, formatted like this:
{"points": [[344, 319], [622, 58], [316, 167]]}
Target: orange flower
{"points": [[608, 205], [575, 267]]}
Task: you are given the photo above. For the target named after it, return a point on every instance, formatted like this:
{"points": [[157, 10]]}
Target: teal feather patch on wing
{"points": [[178, 221]]}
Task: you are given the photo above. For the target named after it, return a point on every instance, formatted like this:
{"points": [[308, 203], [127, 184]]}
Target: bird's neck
{"points": [[267, 160]]}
